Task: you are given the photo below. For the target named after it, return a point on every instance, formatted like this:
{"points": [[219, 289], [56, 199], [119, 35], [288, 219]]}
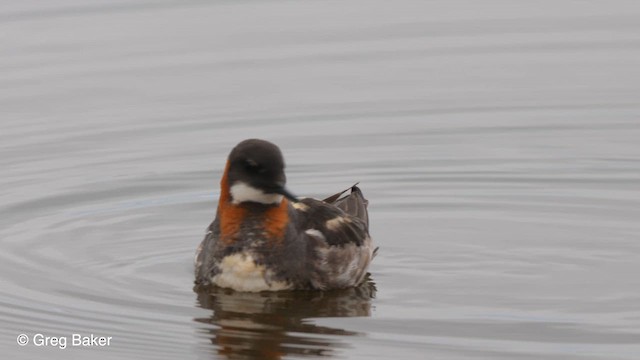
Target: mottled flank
{"points": [[341, 266]]}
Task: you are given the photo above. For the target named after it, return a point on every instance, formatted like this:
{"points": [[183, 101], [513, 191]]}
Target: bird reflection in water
{"points": [[271, 325]]}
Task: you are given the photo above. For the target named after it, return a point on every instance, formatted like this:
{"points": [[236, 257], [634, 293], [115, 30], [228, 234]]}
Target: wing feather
{"points": [[338, 233]]}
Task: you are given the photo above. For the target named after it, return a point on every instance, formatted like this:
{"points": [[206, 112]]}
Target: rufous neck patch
{"points": [[231, 215], [276, 219]]}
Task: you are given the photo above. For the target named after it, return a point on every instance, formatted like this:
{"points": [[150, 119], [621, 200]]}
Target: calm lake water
{"points": [[498, 143]]}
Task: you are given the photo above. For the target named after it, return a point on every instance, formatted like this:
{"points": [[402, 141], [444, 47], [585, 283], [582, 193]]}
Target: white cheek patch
{"points": [[243, 192]]}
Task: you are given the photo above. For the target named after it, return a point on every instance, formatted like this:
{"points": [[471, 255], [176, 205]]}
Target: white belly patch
{"points": [[240, 272]]}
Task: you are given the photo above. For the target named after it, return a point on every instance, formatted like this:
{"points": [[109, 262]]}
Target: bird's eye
{"points": [[252, 166]]}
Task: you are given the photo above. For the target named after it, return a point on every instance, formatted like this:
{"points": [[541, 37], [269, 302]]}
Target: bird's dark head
{"points": [[255, 173]]}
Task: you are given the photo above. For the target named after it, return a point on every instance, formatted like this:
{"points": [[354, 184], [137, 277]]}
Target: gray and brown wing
{"points": [[339, 246], [353, 204], [204, 260]]}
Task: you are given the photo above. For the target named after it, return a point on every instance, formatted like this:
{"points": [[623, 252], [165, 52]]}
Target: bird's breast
{"points": [[240, 272]]}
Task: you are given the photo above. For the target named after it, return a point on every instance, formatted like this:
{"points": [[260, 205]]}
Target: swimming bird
{"points": [[264, 238]]}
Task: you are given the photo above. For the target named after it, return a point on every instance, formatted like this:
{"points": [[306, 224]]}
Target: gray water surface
{"points": [[497, 143]]}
